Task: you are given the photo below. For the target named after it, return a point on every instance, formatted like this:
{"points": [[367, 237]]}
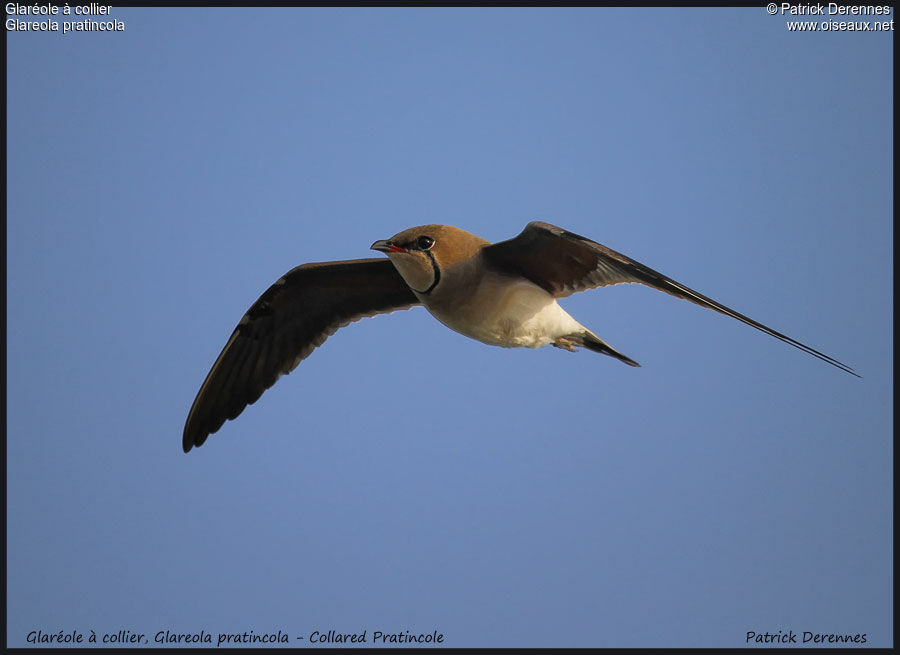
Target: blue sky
{"points": [[404, 477]]}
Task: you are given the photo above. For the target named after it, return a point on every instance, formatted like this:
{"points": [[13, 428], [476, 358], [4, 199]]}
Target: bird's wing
{"points": [[562, 263], [293, 317]]}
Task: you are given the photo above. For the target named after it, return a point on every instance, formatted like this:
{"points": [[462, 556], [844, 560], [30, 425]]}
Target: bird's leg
{"points": [[566, 344]]}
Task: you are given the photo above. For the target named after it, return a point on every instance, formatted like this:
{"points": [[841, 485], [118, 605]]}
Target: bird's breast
{"points": [[501, 311]]}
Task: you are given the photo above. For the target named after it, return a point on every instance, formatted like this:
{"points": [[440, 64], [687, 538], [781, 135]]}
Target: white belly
{"points": [[509, 314]]}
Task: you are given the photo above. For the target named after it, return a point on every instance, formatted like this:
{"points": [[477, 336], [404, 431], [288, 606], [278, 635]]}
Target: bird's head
{"points": [[420, 253]]}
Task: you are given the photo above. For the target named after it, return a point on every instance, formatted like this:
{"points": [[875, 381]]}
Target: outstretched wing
{"points": [[293, 317], [562, 263]]}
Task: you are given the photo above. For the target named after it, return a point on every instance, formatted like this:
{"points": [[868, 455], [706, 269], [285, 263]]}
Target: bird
{"points": [[502, 294]]}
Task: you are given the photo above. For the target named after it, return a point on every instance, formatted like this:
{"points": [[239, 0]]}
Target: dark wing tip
{"points": [[195, 434], [849, 370], [192, 438]]}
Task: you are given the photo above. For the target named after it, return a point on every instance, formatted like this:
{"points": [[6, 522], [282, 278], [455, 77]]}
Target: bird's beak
{"points": [[386, 247]]}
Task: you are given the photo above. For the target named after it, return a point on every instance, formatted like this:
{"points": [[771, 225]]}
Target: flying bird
{"points": [[502, 294]]}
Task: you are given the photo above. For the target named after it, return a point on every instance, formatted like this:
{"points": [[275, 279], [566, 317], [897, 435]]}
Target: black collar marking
{"points": [[437, 273]]}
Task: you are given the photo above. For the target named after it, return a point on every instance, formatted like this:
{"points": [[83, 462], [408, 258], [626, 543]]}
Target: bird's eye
{"points": [[424, 243]]}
